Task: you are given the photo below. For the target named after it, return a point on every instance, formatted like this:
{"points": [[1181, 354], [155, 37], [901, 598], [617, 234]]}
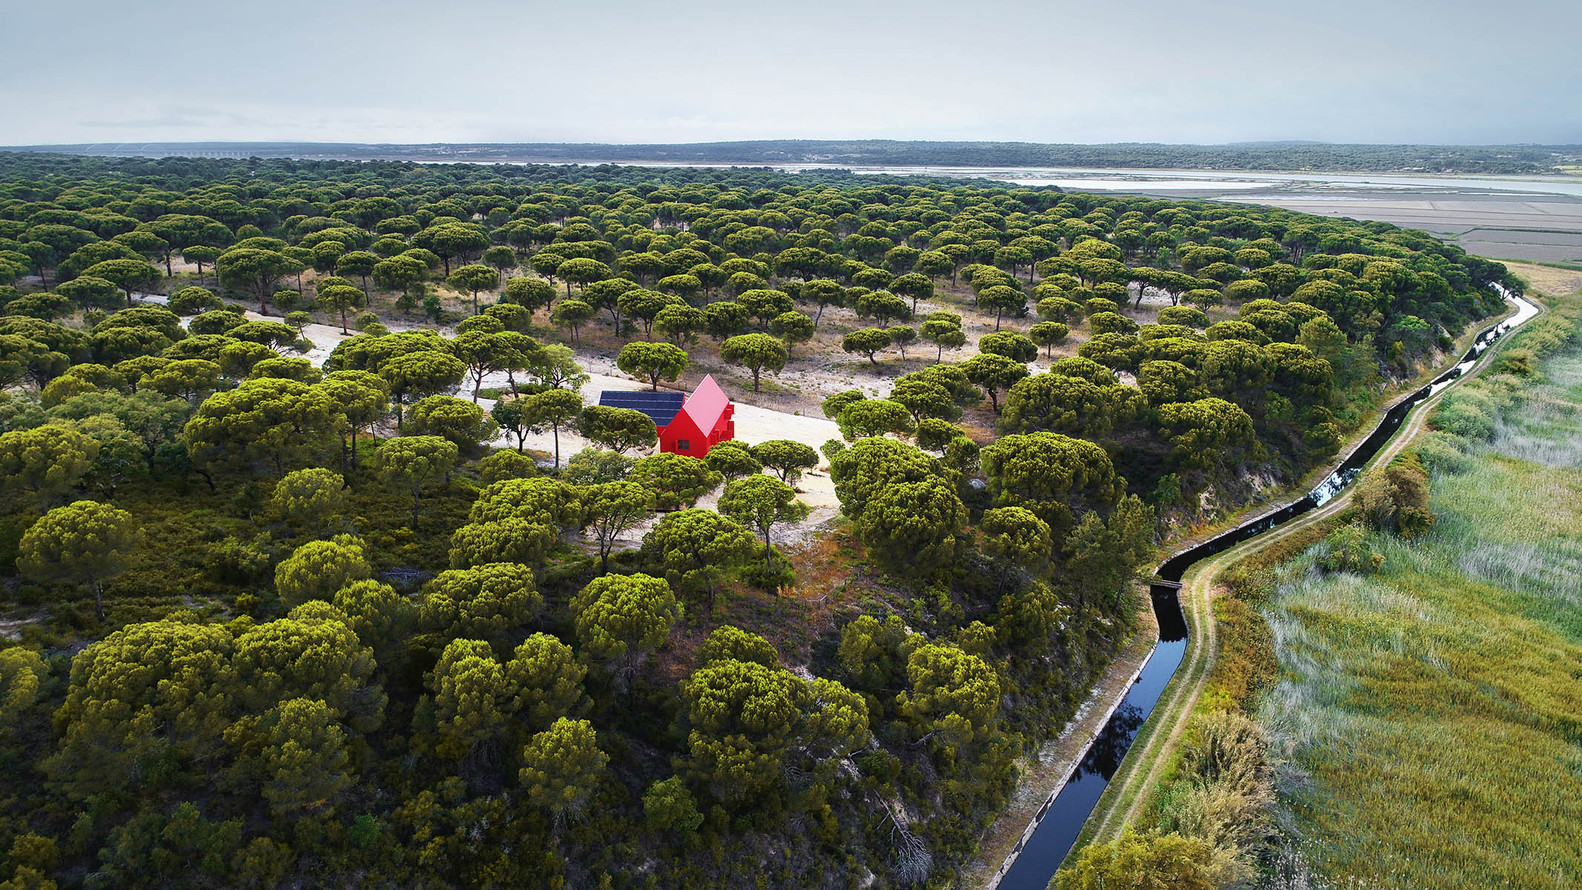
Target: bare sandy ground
{"points": [[754, 424]]}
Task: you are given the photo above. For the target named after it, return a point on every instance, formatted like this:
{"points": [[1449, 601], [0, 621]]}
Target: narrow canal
{"points": [[1036, 859]]}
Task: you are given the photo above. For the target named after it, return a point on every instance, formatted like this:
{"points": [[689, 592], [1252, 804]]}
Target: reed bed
{"points": [[1430, 715]]}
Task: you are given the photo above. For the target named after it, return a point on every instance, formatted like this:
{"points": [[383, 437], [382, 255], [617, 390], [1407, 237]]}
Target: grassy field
{"points": [[1432, 712]]}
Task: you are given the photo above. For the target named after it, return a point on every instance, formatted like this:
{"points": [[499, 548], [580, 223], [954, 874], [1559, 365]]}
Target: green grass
{"points": [[1433, 711]]}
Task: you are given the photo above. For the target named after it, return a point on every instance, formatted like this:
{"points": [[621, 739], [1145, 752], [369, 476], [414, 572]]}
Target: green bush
{"points": [[777, 575], [1442, 452], [1461, 416], [1348, 549]]}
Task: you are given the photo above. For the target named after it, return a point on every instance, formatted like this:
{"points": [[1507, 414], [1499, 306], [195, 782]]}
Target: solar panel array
{"points": [[661, 407]]}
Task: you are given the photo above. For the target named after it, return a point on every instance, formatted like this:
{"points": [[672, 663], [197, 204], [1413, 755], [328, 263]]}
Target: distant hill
{"points": [[1291, 156]]}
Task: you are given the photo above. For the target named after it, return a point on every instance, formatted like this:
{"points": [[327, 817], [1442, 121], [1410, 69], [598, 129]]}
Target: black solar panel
{"points": [[661, 407]]}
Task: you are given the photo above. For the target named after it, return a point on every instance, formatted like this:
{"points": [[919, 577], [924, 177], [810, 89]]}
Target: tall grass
{"points": [[1433, 712]]}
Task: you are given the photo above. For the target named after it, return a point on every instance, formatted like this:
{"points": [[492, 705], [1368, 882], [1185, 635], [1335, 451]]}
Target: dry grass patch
{"points": [[1551, 280]]}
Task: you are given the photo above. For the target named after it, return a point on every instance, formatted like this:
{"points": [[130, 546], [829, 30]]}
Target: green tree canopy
{"points": [[866, 341], [923, 397], [995, 373], [762, 502], [548, 679], [340, 299], [426, 372], [1016, 536], [562, 767], [621, 618], [317, 569], [512, 539], [92, 292], [473, 278], [554, 408], [873, 417], [145, 693], [730, 642], [45, 461], [954, 697], [618, 429], [311, 653], [1075, 406], [610, 508], [85, 542], [1208, 434], [945, 334], [786, 457], [674, 480], [304, 758], [457, 421], [732, 460], [482, 602], [913, 528], [257, 270], [532, 293], [755, 352], [128, 275], [669, 804], [696, 549], [414, 462], [652, 361], [308, 498], [472, 699], [873, 464], [1056, 477]]}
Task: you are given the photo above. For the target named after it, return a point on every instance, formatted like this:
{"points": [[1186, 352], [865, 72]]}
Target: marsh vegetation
{"points": [[1408, 688]]}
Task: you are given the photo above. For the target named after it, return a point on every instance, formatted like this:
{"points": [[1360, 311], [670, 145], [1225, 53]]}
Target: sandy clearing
{"points": [[754, 424]]}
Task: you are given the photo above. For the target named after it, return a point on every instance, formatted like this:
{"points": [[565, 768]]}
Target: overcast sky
{"points": [[684, 71]]}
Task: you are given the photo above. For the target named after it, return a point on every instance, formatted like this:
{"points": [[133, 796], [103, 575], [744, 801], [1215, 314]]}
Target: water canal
{"points": [[1038, 856]]}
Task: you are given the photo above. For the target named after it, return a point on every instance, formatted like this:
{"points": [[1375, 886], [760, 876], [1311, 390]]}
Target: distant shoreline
{"points": [[1265, 157]]}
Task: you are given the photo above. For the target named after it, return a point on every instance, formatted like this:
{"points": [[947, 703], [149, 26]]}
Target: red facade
{"points": [[705, 420]]}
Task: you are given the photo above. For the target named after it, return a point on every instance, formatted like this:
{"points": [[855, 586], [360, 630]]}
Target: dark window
{"points": [[683, 445]]}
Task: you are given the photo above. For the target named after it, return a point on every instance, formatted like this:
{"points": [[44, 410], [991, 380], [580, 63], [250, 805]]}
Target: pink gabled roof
{"points": [[706, 404]]}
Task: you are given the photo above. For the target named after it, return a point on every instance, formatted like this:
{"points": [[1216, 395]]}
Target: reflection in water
{"points": [[1060, 821], [1167, 611], [1104, 757]]}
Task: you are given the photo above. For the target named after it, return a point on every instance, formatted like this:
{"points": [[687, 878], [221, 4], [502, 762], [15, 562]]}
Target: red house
{"points": [[690, 425], [706, 419]]}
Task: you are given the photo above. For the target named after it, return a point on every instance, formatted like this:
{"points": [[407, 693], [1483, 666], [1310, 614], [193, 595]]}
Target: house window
{"points": [[683, 445]]}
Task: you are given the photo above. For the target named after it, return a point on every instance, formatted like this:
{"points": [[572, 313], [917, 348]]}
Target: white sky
{"points": [[707, 70]]}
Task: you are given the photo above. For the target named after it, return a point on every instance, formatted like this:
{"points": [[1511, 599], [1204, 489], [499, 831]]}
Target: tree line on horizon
{"points": [[1317, 157]]}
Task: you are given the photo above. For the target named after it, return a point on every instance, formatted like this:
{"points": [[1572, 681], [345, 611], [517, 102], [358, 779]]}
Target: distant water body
{"points": [[1131, 180], [1148, 180]]}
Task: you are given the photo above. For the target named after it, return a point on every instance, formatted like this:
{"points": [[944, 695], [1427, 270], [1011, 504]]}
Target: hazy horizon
{"points": [[831, 139], [618, 72]]}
